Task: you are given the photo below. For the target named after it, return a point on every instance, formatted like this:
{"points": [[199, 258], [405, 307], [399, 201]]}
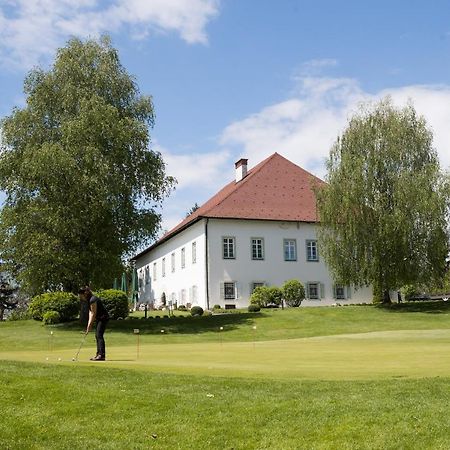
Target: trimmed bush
{"points": [[293, 292], [51, 317], [260, 296], [182, 308], [196, 311], [275, 295], [65, 303], [217, 307], [253, 308], [115, 301]]}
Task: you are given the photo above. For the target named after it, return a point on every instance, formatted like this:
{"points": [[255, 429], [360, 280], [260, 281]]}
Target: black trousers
{"points": [[99, 331]]}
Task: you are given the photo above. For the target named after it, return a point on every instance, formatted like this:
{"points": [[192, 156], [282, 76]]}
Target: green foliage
{"points": [[81, 183], [275, 295], [253, 308], [217, 307], [115, 301], [265, 295], [20, 313], [197, 311], [65, 303], [51, 317], [181, 308], [260, 296], [409, 291], [293, 292], [383, 210]]}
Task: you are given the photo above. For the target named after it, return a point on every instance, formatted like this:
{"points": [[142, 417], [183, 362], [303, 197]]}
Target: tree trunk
{"points": [[386, 297]]}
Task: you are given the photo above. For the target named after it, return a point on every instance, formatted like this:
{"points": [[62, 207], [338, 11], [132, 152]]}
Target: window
{"points": [[311, 251], [154, 271], [194, 252], [172, 258], [228, 247], [183, 258], [342, 292], [230, 306], [141, 279], [256, 284], [290, 250], [163, 267], [257, 248], [194, 294], [147, 275], [229, 290], [313, 291]]}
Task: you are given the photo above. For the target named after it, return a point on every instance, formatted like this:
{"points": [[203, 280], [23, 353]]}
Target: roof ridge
{"points": [[240, 183]]}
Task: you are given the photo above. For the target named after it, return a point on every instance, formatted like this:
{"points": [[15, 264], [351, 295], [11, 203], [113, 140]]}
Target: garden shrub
{"points": [[20, 313], [409, 291], [293, 292], [253, 308], [115, 301], [182, 308], [275, 295], [260, 296], [51, 317], [217, 307], [196, 311], [65, 303]]}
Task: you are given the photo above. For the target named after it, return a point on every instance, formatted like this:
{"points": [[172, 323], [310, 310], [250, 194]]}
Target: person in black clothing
{"points": [[98, 314]]}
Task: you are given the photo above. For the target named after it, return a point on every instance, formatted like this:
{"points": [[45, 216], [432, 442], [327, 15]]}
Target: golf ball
{"points": [[46, 359], [73, 359], [59, 359]]}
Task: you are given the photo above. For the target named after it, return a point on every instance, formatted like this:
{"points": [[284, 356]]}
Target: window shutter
{"points": [[236, 289], [222, 291], [334, 292], [190, 295], [348, 290], [322, 290], [307, 291]]}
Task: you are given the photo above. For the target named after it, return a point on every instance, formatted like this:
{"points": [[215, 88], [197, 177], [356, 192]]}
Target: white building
{"points": [[260, 229]]}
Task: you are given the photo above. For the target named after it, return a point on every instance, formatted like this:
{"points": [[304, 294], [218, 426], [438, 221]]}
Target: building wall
{"points": [[273, 269], [242, 270], [181, 285]]}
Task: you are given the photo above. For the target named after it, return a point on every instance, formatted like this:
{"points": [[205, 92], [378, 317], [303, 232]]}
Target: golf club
{"points": [[79, 348]]}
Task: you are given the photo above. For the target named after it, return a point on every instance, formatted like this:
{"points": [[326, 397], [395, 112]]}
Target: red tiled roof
{"points": [[275, 189]]}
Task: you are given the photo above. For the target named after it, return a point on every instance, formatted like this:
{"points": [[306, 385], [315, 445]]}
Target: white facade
{"points": [[232, 256]]}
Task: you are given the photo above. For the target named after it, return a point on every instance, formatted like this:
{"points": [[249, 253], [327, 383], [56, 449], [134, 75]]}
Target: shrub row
{"points": [[292, 292], [55, 307]]}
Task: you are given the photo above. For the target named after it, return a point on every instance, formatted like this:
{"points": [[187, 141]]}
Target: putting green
{"points": [[376, 355]]}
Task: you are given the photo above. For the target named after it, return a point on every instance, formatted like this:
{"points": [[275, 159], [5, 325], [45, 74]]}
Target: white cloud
{"points": [[304, 127], [197, 169], [32, 29]]}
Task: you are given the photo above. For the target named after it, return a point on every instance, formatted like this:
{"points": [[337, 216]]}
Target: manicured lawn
{"points": [[322, 378]]}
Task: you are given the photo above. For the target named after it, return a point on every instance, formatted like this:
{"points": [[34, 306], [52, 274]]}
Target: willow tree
{"points": [[81, 183], [383, 209]]}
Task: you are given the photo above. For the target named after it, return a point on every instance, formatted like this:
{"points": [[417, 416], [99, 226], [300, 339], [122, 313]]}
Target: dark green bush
{"points": [[293, 292], [217, 307], [253, 308], [115, 301], [182, 308], [65, 303], [51, 317], [196, 311], [275, 296]]}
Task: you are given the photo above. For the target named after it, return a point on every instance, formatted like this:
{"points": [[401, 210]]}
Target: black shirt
{"points": [[102, 313]]}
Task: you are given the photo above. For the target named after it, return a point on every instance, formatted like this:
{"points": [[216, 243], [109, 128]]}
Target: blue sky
{"points": [[246, 78]]}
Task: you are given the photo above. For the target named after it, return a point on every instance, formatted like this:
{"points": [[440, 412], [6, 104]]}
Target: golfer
{"points": [[98, 314]]}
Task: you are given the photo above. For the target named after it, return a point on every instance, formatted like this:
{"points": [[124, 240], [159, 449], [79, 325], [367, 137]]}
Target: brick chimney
{"points": [[241, 169]]}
